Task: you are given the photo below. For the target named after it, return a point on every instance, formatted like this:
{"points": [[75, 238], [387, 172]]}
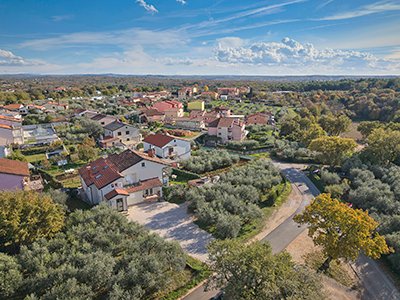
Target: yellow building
{"points": [[196, 105]]}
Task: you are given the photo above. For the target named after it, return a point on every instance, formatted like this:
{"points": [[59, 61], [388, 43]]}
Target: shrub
{"points": [[205, 161], [329, 178]]}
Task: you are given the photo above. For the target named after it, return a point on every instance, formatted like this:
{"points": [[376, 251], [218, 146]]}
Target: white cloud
{"points": [[149, 7], [374, 8], [230, 42], [183, 2], [7, 58], [61, 18], [120, 38], [292, 54]]}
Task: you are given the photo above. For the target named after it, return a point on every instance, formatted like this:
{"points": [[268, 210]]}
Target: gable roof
{"points": [[124, 160], [13, 167], [104, 171], [98, 117], [116, 192], [158, 139], [13, 106], [114, 125], [144, 185], [101, 172]]}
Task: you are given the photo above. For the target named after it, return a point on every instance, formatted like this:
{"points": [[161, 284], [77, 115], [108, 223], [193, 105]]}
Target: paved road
{"points": [[289, 230], [377, 284]]}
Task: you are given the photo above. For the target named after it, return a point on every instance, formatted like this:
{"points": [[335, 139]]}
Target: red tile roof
{"points": [[14, 167], [158, 140], [13, 106], [144, 185], [104, 171], [101, 172], [116, 192], [4, 126]]}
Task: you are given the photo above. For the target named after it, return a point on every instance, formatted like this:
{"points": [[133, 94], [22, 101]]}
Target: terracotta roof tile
{"points": [[116, 192], [158, 140], [14, 167], [144, 185]]}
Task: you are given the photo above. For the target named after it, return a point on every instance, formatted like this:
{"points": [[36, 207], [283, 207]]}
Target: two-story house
{"points": [[166, 146], [15, 175], [227, 129], [170, 108], [123, 133], [103, 119], [123, 179]]}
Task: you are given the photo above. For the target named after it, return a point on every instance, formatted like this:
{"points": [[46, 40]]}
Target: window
{"points": [[143, 164], [119, 133], [102, 123], [127, 139], [127, 132]]}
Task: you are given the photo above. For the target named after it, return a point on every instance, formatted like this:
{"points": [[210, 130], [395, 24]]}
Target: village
{"points": [[199, 165], [160, 132]]}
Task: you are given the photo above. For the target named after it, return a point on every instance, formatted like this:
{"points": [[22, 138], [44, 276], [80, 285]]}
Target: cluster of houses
{"points": [[131, 176]]}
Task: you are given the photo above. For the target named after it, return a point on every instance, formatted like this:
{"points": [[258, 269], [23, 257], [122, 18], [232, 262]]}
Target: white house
{"points": [[11, 135], [166, 146], [123, 179], [122, 132]]}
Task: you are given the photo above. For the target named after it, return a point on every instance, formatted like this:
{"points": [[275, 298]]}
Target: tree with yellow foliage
{"points": [[332, 150], [343, 232], [26, 216]]}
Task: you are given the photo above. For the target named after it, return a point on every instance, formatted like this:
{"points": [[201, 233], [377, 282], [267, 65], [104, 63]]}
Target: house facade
{"points": [[103, 119], [167, 147], [227, 129], [130, 176], [122, 132], [14, 175], [259, 119], [170, 108], [11, 135]]}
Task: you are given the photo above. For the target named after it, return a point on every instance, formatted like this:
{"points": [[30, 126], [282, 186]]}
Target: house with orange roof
{"points": [[10, 134], [170, 108], [14, 175], [167, 146], [55, 106], [124, 179], [227, 129]]}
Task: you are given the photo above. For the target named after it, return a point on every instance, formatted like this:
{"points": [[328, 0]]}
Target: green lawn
{"points": [[35, 157]]}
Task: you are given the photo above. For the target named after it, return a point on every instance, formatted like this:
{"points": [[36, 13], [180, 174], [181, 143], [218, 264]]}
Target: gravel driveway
{"points": [[172, 222]]}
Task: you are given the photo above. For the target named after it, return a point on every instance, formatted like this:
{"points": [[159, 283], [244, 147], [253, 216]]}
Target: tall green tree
{"points": [[251, 271], [26, 216], [342, 232], [383, 146], [332, 150], [87, 150], [335, 125]]}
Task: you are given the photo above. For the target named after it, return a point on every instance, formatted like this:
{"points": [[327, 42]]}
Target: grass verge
{"points": [[197, 272], [252, 229], [336, 270]]}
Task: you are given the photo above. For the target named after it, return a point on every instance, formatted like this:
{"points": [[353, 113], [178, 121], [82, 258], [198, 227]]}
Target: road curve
{"points": [[377, 285]]}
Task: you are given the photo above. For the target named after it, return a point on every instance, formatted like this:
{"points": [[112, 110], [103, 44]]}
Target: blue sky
{"points": [[290, 37]]}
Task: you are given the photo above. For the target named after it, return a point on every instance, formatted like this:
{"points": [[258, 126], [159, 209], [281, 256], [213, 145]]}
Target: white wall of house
{"points": [[106, 120], [180, 148], [128, 134], [143, 170], [139, 196]]}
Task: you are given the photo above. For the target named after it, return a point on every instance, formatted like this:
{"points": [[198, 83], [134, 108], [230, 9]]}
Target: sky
{"points": [[200, 37]]}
